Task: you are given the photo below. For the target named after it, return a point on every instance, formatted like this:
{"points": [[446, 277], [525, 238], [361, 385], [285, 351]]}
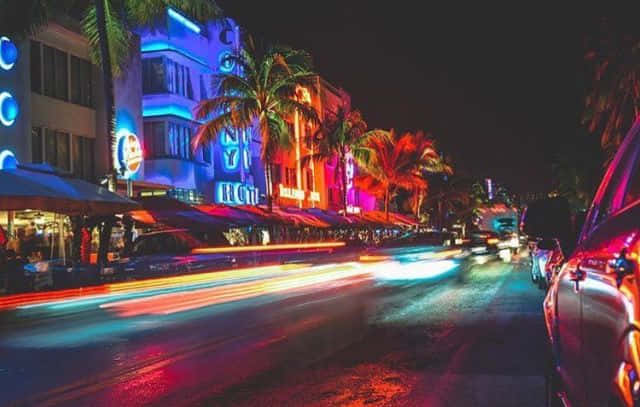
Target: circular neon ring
{"points": [[4, 96], [4, 155], [4, 64]]}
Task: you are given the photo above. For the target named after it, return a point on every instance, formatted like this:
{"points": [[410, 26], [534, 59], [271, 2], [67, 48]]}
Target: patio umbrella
{"points": [[44, 188]]}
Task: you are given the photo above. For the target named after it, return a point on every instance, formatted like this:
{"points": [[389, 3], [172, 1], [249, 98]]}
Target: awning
{"points": [[332, 218], [45, 188], [173, 213], [395, 219], [235, 216], [301, 217]]}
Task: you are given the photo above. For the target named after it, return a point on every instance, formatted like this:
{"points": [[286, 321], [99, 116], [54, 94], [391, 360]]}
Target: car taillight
{"points": [[492, 240]]}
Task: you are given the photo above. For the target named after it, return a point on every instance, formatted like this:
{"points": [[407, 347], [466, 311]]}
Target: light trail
{"points": [[329, 277], [263, 248], [106, 291]]}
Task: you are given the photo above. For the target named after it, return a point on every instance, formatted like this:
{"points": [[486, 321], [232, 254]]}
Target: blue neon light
{"points": [[8, 109], [162, 46], [236, 193], [184, 20], [226, 62], [7, 160], [230, 159], [167, 110], [8, 53]]}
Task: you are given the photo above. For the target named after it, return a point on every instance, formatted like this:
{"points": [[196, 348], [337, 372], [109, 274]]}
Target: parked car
{"points": [[592, 308], [546, 259], [168, 252]]}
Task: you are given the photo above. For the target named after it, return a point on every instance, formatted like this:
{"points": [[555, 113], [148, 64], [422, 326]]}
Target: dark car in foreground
{"points": [[592, 308], [169, 252]]}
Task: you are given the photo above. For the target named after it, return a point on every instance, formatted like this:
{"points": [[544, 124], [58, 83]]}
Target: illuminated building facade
{"points": [[331, 100], [50, 101], [177, 60]]}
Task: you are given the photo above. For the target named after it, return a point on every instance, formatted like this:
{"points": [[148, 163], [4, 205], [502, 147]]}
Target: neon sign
{"points": [[8, 109], [127, 154], [349, 171], [236, 193], [8, 160], [291, 193], [231, 152], [8, 53], [184, 21], [354, 210], [314, 196], [226, 62]]}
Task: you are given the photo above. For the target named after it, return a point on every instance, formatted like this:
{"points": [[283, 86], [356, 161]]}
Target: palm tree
{"points": [[262, 94], [613, 103], [392, 162], [336, 137]]}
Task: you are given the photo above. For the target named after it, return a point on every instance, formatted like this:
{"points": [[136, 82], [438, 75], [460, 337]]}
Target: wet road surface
{"points": [[342, 334], [476, 340]]}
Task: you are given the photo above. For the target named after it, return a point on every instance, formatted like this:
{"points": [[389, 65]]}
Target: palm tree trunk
{"points": [[107, 81], [343, 168], [386, 203], [269, 185]]}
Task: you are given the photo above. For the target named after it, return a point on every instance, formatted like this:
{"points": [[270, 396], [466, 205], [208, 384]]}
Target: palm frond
{"points": [[118, 37]]}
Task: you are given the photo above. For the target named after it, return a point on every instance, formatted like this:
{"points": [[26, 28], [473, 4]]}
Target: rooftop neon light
{"points": [[184, 20], [167, 110], [160, 46]]}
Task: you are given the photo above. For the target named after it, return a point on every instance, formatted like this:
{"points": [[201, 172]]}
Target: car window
{"points": [[140, 247], [633, 187], [612, 199]]}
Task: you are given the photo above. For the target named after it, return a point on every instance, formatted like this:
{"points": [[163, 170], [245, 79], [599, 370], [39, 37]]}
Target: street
{"points": [[325, 334]]}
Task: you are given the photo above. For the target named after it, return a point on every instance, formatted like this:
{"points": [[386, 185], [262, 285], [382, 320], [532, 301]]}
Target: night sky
{"points": [[500, 89]]}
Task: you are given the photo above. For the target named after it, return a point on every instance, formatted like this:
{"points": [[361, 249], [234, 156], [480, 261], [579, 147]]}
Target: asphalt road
{"points": [[474, 340], [342, 334]]}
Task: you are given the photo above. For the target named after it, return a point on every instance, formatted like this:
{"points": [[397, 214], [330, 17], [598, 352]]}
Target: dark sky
{"points": [[498, 88]]}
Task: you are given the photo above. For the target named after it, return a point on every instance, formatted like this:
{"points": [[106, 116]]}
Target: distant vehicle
{"points": [[484, 242], [502, 220], [431, 238], [546, 259], [169, 252], [592, 308]]}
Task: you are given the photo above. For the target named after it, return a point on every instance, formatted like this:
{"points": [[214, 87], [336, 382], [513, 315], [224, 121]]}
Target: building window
{"points": [[153, 76], [203, 88], [36, 145], [63, 150], [50, 149], [206, 152], [36, 67], [154, 144], [81, 82], [172, 140], [55, 73], [290, 177], [88, 161], [309, 179], [162, 75]]}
